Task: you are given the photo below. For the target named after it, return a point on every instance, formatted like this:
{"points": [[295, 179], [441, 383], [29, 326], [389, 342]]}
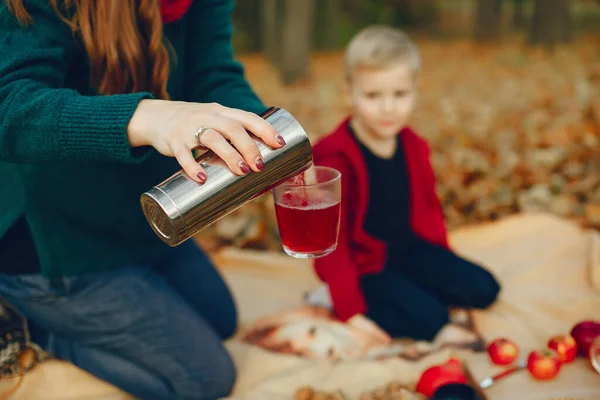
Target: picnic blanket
{"points": [[549, 271]]}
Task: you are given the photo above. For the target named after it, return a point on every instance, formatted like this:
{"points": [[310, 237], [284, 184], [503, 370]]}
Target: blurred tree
{"points": [[519, 13], [551, 22], [413, 13], [403, 11], [327, 24], [487, 20], [247, 33], [296, 39], [270, 17], [332, 13], [355, 10]]}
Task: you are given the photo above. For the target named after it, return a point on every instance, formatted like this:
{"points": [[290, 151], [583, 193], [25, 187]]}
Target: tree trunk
{"points": [[271, 30], [247, 33], [296, 39], [419, 14], [330, 26], [519, 13], [403, 11], [488, 19], [551, 22]]}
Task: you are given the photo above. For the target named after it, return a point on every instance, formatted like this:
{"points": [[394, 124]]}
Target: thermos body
{"points": [[180, 207]]}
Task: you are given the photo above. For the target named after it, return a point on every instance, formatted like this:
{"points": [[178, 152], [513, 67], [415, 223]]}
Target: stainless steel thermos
{"points": [[179, 207]]}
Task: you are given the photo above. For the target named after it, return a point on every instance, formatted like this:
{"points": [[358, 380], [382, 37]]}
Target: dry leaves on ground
{"points": [[512, 129]]}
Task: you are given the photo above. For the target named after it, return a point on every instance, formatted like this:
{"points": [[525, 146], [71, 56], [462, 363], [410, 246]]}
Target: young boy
{"points": [[393, 273]]}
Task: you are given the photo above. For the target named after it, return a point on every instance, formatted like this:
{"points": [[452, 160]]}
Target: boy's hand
{"points": [[370, 329]]}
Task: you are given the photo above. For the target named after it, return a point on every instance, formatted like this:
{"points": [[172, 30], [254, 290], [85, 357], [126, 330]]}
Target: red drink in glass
{"points": [[308, 214]]}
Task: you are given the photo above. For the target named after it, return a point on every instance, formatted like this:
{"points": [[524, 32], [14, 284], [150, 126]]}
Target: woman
{"points": [[100, 100]]}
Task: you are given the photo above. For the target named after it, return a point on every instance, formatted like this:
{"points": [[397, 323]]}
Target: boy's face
{"points": [[383, 99]]}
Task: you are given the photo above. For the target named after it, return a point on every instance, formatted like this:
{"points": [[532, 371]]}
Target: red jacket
{"points": [[359, 253]]}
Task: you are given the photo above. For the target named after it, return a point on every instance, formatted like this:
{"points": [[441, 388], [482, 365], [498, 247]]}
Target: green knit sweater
{"points": [[65, 162]]}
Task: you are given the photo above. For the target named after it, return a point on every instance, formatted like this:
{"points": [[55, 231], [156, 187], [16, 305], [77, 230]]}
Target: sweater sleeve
{"points": [[212, 73], [40, 119], [337, 269]]}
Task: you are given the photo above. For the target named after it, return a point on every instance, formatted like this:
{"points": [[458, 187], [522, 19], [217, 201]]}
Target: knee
{"points": [[433, 321], [213, 379], [427, 318], [485, 291], [228, 322], [221, 383]]}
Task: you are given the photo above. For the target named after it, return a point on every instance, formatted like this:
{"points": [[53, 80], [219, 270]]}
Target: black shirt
{"points": [[388, 211]]}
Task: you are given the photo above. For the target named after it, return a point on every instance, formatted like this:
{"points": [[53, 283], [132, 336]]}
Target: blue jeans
{"points": [[153, 331]]}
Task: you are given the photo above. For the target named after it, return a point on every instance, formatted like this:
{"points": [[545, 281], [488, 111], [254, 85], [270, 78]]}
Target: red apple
{"points": [[565, 346], [584, 334], [502, 351], [440, 375], [543, 364]]}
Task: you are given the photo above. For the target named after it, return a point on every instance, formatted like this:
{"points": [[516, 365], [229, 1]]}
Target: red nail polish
{"points": [[260, 164], [202, 176], [280, 140], [244, 167]]}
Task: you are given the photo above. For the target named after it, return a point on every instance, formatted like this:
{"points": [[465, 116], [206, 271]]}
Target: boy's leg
{"points": [[452, 279], [128, 327], [194, 277], [401, 307]]}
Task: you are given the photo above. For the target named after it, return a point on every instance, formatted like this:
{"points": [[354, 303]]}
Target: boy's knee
{"points": [[486, 290], [434, 321]]}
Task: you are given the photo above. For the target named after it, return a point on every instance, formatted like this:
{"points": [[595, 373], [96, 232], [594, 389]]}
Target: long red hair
{"points": [[123, 40]]}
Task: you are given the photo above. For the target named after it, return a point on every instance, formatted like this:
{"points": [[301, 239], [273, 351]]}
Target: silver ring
{"points": [[198, 135]]}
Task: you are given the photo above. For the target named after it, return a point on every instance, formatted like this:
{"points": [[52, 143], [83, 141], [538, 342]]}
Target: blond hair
{"points": [[380, 46]]}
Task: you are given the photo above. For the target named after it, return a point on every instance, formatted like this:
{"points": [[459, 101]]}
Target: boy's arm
{"points": [[338, 269]]}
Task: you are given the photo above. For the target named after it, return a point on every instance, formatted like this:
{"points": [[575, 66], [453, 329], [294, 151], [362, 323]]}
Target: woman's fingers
{"points": [[255, 124], [169, 127], [187, 161], [215, 141], [241, 140]]}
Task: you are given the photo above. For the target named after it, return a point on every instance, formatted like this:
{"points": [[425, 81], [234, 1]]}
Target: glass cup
{"points": [[595, 354], [308, 210]]}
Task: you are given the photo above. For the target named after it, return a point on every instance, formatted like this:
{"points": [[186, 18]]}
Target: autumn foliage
{"points": [[512, 129]]}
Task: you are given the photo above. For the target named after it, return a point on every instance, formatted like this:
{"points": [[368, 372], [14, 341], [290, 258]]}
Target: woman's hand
{"points": [[369, 330], [170, 127]]}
